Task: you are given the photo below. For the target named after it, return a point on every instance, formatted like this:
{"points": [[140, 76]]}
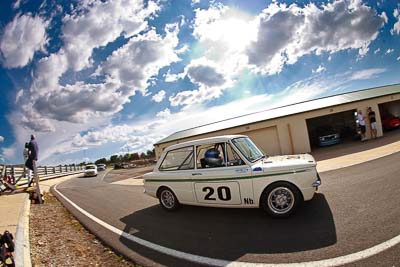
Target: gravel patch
{"points": [[58, 239]]}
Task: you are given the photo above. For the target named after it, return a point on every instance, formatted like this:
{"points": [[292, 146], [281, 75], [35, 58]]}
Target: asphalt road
{"points": [[356, 208]]}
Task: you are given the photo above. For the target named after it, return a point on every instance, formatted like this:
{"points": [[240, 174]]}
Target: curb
{"points": [[22, 253]]}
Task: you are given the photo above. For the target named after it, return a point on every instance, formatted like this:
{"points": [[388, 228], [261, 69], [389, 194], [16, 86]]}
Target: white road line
{"points": [[104, 175], [218, 262]]}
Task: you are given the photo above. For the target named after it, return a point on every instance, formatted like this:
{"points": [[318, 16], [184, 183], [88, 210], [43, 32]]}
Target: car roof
{"points": [[90, 165], [214, 139]]}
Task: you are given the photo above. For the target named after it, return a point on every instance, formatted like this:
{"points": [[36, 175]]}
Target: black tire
{"points": [[167, 199], [280, 199]]}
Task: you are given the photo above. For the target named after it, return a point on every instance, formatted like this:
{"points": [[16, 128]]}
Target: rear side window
{"points": [[178, 159]]}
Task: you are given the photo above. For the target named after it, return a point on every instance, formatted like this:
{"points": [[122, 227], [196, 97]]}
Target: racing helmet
{"points": [[212, 158]]}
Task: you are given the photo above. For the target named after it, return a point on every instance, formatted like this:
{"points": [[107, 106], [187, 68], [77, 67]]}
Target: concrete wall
{"points": [[289, 135]]}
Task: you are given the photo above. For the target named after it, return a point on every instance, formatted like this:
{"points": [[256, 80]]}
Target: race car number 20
{"points": [[226, 193]]}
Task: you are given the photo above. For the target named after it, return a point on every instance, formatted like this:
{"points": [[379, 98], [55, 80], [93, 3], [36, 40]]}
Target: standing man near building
{"points": [[372, 121], [361, 122], [32, 155], [26, 157]]}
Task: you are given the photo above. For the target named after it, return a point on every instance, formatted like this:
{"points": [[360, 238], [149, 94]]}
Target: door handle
{"points": [[196, 173]]}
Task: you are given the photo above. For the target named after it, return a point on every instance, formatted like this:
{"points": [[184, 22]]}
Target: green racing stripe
{"points": [[223, 179]]}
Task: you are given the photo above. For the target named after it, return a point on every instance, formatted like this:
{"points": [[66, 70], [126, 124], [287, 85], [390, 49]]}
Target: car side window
{"points": [[211, 155], [233, 159], [178, 159]]}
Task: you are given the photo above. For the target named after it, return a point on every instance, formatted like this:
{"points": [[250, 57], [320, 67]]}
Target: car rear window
{"points": [[178, 159]]}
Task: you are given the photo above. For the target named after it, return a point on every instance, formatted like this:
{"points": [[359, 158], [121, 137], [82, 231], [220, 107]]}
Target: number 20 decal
{"points": [[223, 192]]}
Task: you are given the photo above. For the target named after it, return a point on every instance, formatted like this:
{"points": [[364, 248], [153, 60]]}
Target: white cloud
{"points": [[92, 25], [19, 94], [126, 71], [389, 51], [159, 96], [205, 73], [366, 74], [16, 4], [377, 51], [286, 33], [194, 2], [140, 59], [223, 34], [79, 102], [398, 59], [101, 23], [170, 77], [210, 79], [280, 35], [396, 26], [22, 37], [164, 113], [319, 69], [185, 48], [1, 139]]}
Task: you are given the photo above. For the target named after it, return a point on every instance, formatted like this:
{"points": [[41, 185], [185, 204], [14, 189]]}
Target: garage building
{"points": [[294, 128]]}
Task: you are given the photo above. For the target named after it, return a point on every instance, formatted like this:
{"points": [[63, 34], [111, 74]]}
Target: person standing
{"points": [[372, 121], [33, 155], [361, 122]]}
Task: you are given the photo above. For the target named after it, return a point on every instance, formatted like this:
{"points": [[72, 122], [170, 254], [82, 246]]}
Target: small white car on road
{"points": [[230, 171], [90, 170], [101, 167]]}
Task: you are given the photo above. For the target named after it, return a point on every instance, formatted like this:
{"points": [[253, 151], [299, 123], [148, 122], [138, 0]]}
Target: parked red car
{"points": [[391, 123]]}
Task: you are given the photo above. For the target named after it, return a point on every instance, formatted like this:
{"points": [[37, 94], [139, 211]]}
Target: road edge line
{"points": [[346, 259]]}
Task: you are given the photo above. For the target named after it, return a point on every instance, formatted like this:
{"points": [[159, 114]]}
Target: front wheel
{"points": [[280, 200], [168, 199]]}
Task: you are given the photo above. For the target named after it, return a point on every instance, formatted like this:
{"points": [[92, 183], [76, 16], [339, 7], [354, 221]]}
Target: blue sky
{"points": [[96, 78]]}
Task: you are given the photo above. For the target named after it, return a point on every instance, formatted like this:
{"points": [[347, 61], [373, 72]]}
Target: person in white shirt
{"points": [[361, 122]]}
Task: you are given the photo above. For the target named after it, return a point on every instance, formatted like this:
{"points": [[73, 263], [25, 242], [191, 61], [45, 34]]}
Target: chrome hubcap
{"points": [[167, 199], [281, 200]]}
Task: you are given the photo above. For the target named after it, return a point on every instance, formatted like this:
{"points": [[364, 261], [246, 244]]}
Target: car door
{"points": [[176, 170], [225, 183]]}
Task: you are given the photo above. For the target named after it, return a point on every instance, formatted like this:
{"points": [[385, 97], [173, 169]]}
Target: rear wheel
{"points": [[168, 199], [280, 200]]}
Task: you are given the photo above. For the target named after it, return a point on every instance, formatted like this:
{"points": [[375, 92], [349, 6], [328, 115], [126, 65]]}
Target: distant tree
{"points": [[142, 155], [126, 157], [114, 159], [151, 153], [101, 161], [135, 156]]}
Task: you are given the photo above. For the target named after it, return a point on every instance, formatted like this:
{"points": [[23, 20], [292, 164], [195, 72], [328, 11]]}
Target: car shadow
{"points": [[231, 233]]}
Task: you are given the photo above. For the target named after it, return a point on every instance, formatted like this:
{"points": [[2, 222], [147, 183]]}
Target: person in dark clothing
{"points": [[32, 155], [372, 122], [33, 149]]}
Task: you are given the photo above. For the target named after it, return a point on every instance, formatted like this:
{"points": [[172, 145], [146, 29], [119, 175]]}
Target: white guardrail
{"points": [[44, 172]]}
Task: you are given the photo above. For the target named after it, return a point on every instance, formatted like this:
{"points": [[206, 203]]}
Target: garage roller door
{"points": [[266, 139]]}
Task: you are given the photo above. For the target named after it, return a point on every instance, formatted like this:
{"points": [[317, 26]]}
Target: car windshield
{"points": [[248, 148], [90, 167]]}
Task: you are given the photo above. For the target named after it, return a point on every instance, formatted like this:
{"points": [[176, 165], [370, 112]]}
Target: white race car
{"points": [[90, 170], [231, 172]]}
